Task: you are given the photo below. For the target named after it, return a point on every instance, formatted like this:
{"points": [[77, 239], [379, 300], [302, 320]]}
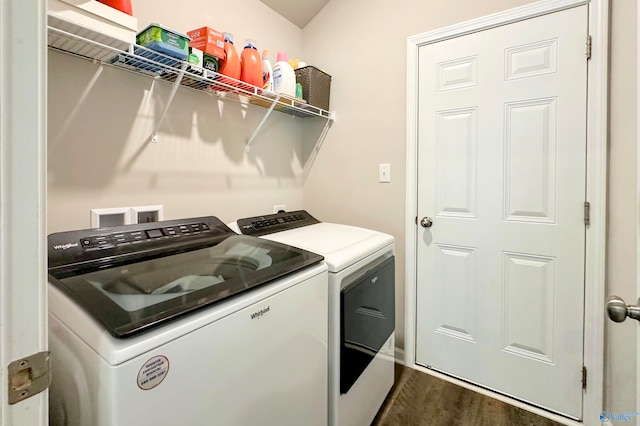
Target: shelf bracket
{"points": [[327, 126], [174, 89], [316, 148], [247, 146]]}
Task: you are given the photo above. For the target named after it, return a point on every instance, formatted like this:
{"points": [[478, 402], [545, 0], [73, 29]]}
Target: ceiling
{"points": [[300, 12]]}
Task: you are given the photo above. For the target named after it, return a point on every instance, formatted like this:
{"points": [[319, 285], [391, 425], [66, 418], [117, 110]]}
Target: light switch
{"points": [[384, 173]]}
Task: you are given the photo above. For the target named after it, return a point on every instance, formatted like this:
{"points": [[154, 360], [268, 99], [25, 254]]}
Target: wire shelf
{"points": [[106, 50]]}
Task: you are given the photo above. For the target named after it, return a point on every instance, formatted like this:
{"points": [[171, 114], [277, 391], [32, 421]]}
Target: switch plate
{"points": [[384, 173], [279, 207]]}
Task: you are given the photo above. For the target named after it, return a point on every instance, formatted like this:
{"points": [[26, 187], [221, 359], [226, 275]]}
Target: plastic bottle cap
{"points": [[228, 37], [282, 56]]}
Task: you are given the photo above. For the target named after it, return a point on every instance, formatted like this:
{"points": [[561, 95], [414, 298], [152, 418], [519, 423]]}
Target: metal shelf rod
{"points": [[247, 146], [174, 89]]}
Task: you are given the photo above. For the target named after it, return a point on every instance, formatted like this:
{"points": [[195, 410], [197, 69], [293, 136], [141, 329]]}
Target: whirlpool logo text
{"points": [[260, 313], [65, 246]]}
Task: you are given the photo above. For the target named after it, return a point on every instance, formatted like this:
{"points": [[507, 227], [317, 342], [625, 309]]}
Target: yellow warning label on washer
{"points": [[153, 372]]}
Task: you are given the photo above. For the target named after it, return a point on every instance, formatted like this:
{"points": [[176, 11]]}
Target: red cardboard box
{"points": [[208, 40]]}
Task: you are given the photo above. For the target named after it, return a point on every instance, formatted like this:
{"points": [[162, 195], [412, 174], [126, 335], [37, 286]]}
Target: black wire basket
{"points": [[316, 86]]}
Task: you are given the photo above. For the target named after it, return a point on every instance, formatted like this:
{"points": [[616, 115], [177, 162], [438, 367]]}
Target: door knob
{"points": [[618, 311], [426, 222]]}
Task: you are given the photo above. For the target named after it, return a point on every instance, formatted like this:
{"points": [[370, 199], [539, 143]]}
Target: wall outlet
{"points": [[384, 173], [279, 207], [114, 216], [145, 214]]}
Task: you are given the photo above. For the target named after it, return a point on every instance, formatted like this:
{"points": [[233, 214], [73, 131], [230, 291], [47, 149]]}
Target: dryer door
{"points": [[367, 312]]}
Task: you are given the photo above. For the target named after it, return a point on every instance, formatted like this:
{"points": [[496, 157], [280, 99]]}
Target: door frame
{"points": [[637, 405], [23, 186], [596, 184]]}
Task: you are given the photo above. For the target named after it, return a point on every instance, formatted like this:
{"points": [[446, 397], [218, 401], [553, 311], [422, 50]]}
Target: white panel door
{"points": [[501, 173]]}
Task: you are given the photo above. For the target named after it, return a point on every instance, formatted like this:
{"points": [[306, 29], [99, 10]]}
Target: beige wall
{"points": [[99, 121]]}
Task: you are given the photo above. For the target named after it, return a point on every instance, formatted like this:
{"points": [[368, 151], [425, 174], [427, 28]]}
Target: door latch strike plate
{"points": [[29, 376]]}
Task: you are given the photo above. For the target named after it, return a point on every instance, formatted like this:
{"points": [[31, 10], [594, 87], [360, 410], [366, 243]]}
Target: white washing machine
{"points": [[185, 322], [361, 307]]}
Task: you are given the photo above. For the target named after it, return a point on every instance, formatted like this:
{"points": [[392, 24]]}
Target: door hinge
{"points": [[587, 213], [584, 377], [29, 376], [588, 53]]}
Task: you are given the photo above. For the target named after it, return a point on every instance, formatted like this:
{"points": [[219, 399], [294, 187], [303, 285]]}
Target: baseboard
{"points": [[399, 354]]}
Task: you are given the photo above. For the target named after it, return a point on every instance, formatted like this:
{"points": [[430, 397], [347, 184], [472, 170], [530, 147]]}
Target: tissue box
{"points": [[93, 20], [162, 47], [168, 43], [164, 40]]}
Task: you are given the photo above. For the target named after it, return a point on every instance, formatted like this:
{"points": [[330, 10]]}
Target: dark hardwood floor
{"points": [[423, 400]]}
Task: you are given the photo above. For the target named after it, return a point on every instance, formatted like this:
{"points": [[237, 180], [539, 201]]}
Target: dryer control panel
{"points": [[270, 224]]}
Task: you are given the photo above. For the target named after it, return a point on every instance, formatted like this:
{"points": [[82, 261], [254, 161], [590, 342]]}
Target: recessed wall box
{"points": [[144, 214], [114, 216]]}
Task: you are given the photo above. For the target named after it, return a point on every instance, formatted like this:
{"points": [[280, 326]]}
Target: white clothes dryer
{"points": [[361, 307], [185, 322]]}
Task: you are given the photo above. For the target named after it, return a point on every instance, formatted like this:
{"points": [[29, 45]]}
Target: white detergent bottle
{"points": [[284, 78]]}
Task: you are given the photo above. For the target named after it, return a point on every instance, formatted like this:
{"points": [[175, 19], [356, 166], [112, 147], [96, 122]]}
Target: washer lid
{"points": [[131, 278], [341, 245]]}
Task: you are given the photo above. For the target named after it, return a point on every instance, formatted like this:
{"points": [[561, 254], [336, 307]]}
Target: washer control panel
{"points": [[270, 224], [131, 237], [90, 244]]}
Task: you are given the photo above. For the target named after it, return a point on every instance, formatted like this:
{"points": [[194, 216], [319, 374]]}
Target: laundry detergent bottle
{"points": [[284, 78], [267, 72], [251, 65], [231, 65], [121, 5]]}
